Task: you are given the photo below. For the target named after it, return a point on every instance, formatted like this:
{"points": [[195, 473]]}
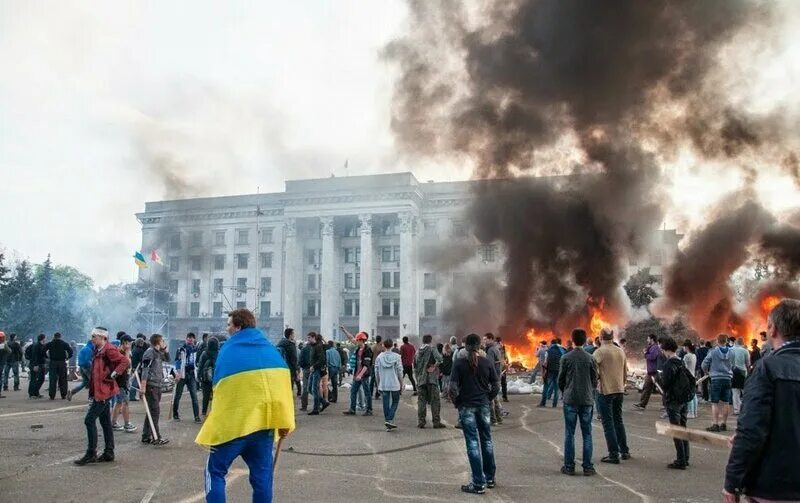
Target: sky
{"points": [[100, 101]]}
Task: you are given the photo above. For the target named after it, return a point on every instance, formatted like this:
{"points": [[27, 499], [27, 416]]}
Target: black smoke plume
{"points": [[607, 89]]}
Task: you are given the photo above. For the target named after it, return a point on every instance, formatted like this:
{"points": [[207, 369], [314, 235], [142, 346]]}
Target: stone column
{"points": [[292, 293], [329, 306], [367, 316], [409, 309]]}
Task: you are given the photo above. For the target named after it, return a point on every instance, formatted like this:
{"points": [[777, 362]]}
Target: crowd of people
{"points": [[249, 388]]}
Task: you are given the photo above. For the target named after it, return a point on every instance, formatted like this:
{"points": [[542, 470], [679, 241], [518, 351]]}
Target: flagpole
{"points": [[153, 302]]}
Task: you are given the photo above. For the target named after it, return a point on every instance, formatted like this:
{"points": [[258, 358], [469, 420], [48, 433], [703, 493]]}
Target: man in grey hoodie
{"points": [[719, 365]]}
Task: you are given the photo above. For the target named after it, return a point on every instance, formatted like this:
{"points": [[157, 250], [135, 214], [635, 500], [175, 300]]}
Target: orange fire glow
{"points": [[597, 322], [525, 354], [768, 303]]}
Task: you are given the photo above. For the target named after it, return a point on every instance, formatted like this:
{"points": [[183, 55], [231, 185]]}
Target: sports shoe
{"points": [[325, 406], [677, 466], [116, 427], [86, 459], [490, 484], [588, 472], [638, 406], [714, 428], [390, 425], [439, 426], [130, 428], [314, 413], [176, 419], [473, 489], [367, 413], [106, 457], [610, 459], [349, 413], [198, 420], [626, 456], [567, 471], [160, 441], [421, 426]]}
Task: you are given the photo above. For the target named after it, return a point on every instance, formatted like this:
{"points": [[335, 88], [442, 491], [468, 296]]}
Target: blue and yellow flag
{"points": [[252, 390], [139, 259]]}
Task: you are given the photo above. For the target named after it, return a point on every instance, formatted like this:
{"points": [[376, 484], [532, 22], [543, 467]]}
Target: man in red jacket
{"points": [[407, 353], [107, 364]]}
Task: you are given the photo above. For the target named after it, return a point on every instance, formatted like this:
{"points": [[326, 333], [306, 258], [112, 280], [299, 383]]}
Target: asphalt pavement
{"points": [[332, 458]]}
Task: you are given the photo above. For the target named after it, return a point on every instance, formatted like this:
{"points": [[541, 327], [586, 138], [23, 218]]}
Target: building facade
{"points": [[324, 253]]}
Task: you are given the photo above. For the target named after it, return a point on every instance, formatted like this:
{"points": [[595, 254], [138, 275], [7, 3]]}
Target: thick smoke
{"points": [[623, 85]]}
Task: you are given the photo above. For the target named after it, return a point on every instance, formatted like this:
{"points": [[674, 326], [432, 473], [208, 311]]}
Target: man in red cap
{"points": [[362, 372]]}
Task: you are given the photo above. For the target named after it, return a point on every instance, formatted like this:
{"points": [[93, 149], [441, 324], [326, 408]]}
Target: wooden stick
{"points": [[692, 435], [700, 381], [277, 452], [146, 408]]}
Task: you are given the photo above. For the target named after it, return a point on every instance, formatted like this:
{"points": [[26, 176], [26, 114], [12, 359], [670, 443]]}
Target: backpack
{"points": [[685, 387]]}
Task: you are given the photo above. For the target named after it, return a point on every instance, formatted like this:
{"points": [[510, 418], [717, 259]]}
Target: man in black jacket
{"points": [[140, 345], [59, 352], [13, 362], [767, 441], [37, 360], [304, 362], [675, 388], [288, 350], [319, 368]]}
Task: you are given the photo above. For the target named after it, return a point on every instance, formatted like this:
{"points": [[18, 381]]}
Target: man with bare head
{"points": [[767, 441]]}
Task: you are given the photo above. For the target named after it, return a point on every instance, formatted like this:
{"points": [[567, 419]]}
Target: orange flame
{"points": [[525, 354], [768, 303], [597, 322]]}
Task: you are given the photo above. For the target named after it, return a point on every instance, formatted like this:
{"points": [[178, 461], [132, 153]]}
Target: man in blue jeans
{"points": [[474, 383], [612, 369], [551, 368], [361, 374], [577, 379]]}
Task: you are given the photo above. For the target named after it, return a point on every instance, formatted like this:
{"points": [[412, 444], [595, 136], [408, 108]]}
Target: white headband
{"points": [[100, 332]]}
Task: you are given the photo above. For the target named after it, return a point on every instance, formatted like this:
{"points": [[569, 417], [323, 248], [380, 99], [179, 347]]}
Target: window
{"points": [[196, 286], [352, 255], [217, 285], [390, 279], [314, 257], [241, 260], [488, 253], [352, 230], [196, 239], [242, 237], [174, 264], [265, 311], [172, 309], [351, 307], [312, 307], [390, 307], [241, 305], [219, 262], [266, 236], [429, 280], [387, 228], [430, 307], [429, 228], [459, 230], [657, 257], [266, 260], [352, 281], [241, 285], [217, 310], [390, 253], [173, 286], [194, 310], [312, 282], [219, 238], [175, 242], [195, 262], [266, 284]]}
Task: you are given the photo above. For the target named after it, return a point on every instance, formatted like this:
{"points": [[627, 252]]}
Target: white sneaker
{"points": [[116, 427], [129, 428]]}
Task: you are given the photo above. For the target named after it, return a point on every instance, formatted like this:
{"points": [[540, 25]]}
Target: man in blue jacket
{"points": [[767, 441], [84, 368]]}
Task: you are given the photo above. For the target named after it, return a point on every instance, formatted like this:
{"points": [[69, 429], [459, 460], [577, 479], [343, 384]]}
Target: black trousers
{"points": [[647, 390], [296, 382], [153, 397], [99, 410], [504, 387], [333, 379], [409, 371], [190, 382], [208, 391], [677, 415], [58, 375], [35, 380]]}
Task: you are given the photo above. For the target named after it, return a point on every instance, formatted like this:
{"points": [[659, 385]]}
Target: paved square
{"points": [[332, 458]]}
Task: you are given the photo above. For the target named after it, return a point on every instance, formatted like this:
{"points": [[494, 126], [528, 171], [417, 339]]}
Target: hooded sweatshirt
{"points": [[389, 371], [719, 363]]}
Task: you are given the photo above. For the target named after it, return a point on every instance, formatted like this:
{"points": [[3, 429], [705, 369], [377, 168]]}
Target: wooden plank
{"points": [[692, 435]]}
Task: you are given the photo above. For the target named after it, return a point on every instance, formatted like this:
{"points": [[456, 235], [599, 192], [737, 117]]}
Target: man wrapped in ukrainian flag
{"points": [[252, 401]]}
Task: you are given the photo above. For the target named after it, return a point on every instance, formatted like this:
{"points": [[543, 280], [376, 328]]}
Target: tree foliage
{"points": [[639, 288]]}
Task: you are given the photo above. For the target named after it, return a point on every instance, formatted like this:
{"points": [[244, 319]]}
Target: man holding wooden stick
{"points": [[765, 452]]}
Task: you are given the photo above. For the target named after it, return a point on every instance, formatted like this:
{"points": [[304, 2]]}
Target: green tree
{"points": [[20, 296], [636, 333], [5, 279], [46, 303], [639, 288], [75, 297]]}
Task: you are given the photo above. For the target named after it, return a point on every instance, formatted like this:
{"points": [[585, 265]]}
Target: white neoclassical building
{"points": [[326, 252]]}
